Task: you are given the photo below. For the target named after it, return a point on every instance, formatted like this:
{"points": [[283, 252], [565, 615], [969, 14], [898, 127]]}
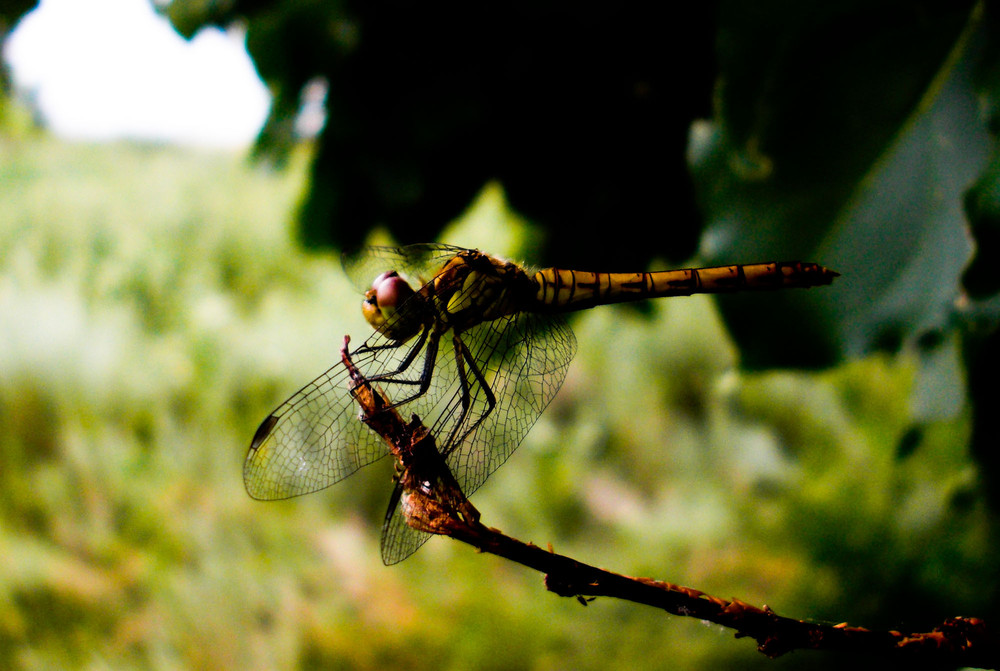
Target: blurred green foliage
{"points": [[153, 308]]}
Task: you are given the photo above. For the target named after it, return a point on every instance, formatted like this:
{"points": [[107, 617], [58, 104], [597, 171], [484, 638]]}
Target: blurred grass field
{"points": [[154, 307]]}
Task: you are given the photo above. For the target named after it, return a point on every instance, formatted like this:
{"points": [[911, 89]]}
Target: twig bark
{"points": [[433, 502]]}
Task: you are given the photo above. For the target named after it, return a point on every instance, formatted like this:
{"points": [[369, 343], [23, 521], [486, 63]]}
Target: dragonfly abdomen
{"points": [[560, 289]]}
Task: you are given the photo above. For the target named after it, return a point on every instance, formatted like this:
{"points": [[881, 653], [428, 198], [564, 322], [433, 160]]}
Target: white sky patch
{"points": [[110, 69]]}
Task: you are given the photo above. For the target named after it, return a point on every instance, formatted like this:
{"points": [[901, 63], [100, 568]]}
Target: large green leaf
{"points": [[851, 146]]}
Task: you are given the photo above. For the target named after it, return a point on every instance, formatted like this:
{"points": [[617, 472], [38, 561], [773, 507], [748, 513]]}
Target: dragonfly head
{"points": [[382, 307]]}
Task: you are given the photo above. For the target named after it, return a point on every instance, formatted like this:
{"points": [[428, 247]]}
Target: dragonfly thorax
{"points": [[474, 288], [388, 309]]}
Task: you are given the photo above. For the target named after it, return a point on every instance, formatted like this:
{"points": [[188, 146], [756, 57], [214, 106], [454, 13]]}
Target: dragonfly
{"points": [[474, 345]]}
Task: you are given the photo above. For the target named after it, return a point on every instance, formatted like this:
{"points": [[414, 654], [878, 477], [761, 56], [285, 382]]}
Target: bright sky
{"points": [[107, 69]]}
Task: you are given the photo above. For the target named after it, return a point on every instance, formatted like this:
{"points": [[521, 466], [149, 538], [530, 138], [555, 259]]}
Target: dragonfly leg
{"points": [[423, 383], [450, 444], [463, 358], [407, 360], [491, 399]]}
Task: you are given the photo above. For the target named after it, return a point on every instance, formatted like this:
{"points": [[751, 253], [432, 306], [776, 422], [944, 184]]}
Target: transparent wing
{"points": [[315, 439], [523, 359], [399, 540], [417, 264], [312, 440]]}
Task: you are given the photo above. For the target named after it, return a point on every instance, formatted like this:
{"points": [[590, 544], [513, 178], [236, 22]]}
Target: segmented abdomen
{"points": [[560, 289]]}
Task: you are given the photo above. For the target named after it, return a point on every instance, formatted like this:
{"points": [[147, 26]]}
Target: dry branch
{"points": [[434, 503]]}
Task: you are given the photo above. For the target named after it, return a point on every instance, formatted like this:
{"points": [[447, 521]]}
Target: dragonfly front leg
{"points": [[422, 383], [407, 360]]}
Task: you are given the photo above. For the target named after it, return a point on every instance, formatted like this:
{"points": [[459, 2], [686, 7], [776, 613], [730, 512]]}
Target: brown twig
{"points": [[433, 502]]}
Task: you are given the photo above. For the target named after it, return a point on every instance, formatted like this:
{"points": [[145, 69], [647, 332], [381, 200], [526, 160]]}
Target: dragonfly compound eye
{"points": [[390, 291], [382, 304]]}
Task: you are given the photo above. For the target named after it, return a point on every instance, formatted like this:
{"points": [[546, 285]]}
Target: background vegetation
{"points": [[155, 305], [156, 310]]}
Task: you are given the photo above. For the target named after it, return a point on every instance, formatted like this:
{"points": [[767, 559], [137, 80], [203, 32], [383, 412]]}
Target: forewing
{"points": [[417, 264], [314, 439]]}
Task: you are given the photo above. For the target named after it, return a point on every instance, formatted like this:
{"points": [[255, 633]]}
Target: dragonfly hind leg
{"points": [[463, 358]]}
